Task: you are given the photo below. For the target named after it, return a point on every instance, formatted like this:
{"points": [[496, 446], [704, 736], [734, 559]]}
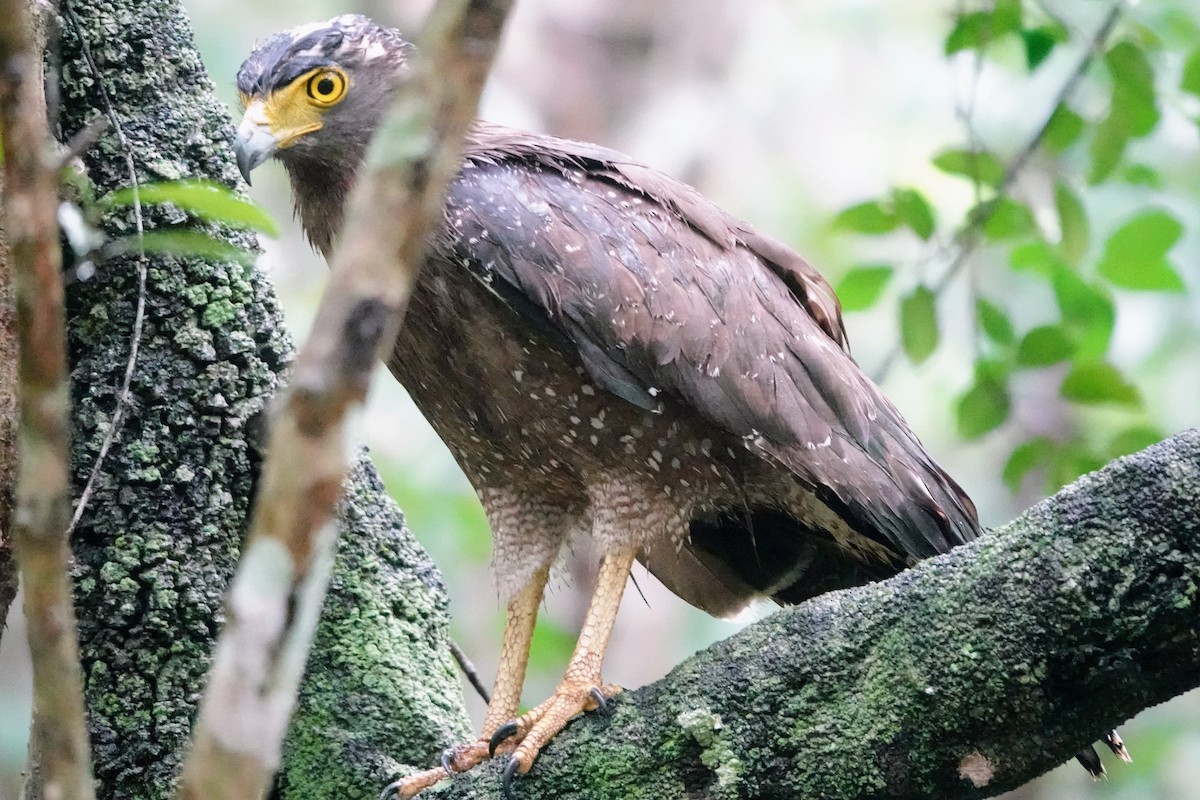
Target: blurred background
{"points": [[787, 112]]}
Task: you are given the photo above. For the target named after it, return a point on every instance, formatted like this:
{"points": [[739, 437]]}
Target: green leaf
{"points": [[1063, 129], [1026, 456], [1095, 382], [1131, 440], [872, 218], [204, 199], [1073, 224], [1039, 42], [914, 210], [918, 324], [1135, 256], [973, 30], [1036, 256], [1142, 175], [994, 321], [1004, 218], [1108, 145], [1045, 345], [983, 408], [1133, 96], [976, 165], [184, 243], [861, 287], [1006, 16], [1087, 312], [1191, 74]]}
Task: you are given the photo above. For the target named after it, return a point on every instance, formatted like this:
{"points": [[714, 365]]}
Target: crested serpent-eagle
{"points": [[610, 355]]}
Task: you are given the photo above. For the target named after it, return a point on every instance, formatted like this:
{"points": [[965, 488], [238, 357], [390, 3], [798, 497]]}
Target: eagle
{"points": [[609, 355]]}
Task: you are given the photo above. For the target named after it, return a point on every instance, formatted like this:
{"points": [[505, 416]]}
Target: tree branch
{"points": [[276, 596], [965, 676], [62, 766]]}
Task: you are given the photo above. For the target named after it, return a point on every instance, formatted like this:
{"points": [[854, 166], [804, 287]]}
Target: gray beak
{"points": [[254, 144]]}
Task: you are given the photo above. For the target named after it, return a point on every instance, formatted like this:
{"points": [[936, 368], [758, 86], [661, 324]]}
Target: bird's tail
{"points": [[1090, 759]]}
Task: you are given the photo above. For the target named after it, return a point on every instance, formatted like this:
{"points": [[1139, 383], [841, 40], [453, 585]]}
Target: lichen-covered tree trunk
{"points": [[161, 532]]}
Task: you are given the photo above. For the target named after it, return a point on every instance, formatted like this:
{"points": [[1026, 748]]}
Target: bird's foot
{"points": [[536, 727], [459, 758]]}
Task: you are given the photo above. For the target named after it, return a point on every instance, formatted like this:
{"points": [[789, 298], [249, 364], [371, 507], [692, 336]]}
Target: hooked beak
{"points": [[255, 142]]}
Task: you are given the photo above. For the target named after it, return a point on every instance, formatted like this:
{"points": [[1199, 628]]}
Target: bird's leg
{"points": [[506, 692], [580, 689]]}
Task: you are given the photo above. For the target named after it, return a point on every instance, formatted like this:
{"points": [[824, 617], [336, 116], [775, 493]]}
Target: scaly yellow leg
{"points": [[506, 692], [580, 689]]}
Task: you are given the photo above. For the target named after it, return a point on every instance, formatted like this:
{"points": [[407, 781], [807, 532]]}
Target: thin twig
{"points": [[123, 397], [469, 670], [61, 765], [968, 239], [83, 139]]}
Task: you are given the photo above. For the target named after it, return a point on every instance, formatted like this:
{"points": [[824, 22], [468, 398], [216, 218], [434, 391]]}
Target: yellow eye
{"points": [[327, 86]]}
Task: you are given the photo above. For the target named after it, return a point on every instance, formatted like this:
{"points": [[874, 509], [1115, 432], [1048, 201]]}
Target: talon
{"points": [[601, 701], [1114, 742], [447, 761], [391, 788], [505, 731], [506, 779]]}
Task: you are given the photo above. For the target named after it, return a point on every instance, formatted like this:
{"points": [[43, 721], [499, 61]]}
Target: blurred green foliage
{"points": [[1033, 212]]}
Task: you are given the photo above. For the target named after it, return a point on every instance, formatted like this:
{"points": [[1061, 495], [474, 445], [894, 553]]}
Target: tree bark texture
{"points": [[968, 675], [965, 676], [159, 539]]}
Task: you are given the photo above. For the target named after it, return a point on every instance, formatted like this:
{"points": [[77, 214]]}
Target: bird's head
{"points": [[314, 94]]}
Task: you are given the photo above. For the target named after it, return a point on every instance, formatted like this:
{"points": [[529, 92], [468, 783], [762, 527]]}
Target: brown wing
{"points": [[664, 295]]}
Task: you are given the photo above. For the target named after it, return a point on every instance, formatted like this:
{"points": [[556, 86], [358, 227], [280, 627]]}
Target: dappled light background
{"points": [[786, 113]]}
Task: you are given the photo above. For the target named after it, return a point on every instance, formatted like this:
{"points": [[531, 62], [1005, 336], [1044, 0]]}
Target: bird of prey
{"points": [[608, 354]]}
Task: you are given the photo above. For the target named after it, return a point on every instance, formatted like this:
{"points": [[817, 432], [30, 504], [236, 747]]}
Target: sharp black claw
{"points": [[601, 701], [391, 788], [506, 780], [503, 732], [447, 759]]}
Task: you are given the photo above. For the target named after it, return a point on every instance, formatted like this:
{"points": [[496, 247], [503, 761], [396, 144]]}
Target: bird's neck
{"points": [[320, 189]]}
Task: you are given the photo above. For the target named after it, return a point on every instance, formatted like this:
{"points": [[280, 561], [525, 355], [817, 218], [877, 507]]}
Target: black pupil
{"points": [[325, 86]]}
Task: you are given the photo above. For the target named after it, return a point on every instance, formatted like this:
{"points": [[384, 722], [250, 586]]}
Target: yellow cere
{"points": [[297, 108]]}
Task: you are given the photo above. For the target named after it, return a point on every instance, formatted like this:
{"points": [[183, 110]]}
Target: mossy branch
{"points": [[964, 677]]}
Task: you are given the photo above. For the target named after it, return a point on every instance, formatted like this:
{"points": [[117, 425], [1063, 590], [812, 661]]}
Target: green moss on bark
{"points": [[1013, 652], [160, 536]]}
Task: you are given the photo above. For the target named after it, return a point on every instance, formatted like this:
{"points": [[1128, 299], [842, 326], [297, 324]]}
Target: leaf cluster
{"points": [[1042, 221]]}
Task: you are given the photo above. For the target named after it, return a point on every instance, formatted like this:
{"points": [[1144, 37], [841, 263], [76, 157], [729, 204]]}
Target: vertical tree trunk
{"points": [[158, 540]]}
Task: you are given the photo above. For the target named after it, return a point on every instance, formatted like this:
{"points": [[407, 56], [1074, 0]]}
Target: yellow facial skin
{"points": [[299, 107]]}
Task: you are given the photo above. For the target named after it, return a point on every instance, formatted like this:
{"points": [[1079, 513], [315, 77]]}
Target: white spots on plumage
{"points": [[575, 420], [598, 423], [656, 455], [675, 463], [517, 375], [652, 464], [588, 389], [594, 439], [653, 391]]}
